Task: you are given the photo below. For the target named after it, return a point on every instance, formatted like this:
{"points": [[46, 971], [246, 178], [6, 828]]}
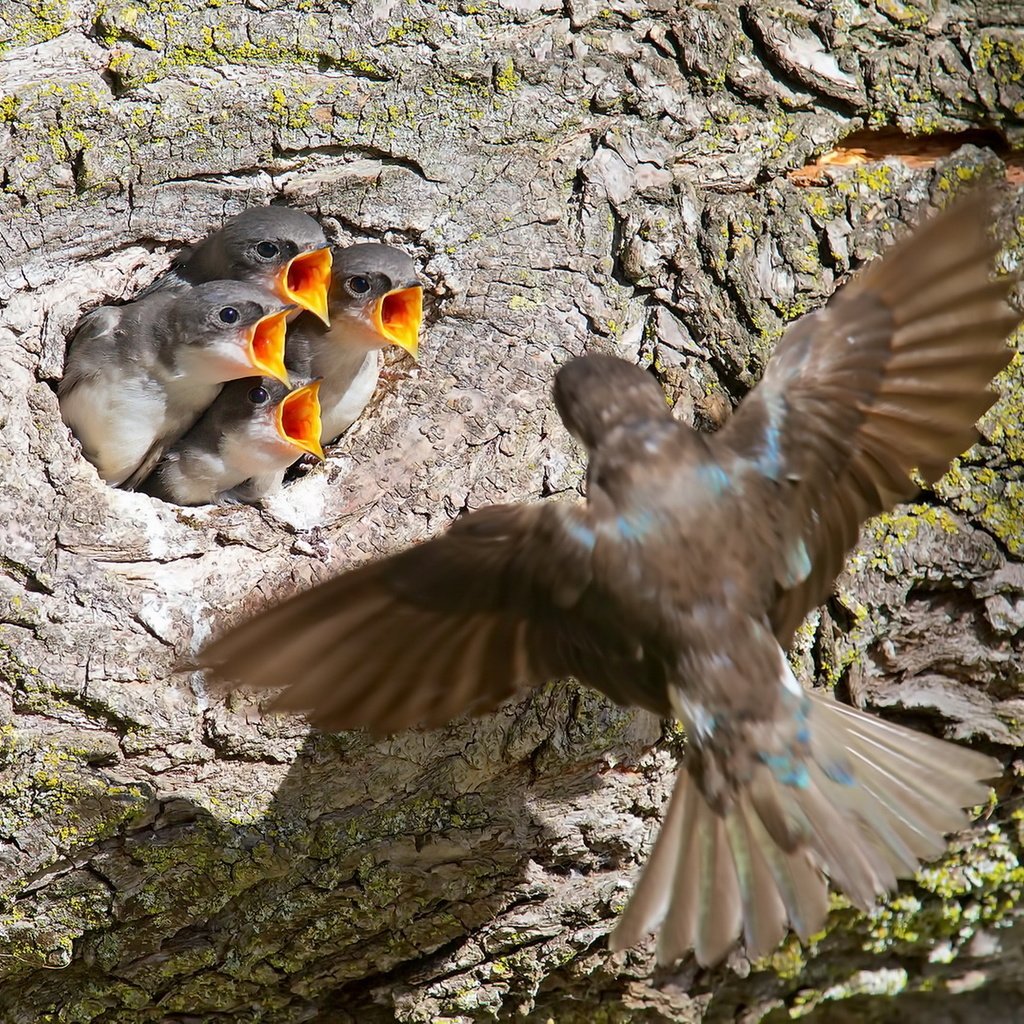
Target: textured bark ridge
{"points": [[664, 181]]}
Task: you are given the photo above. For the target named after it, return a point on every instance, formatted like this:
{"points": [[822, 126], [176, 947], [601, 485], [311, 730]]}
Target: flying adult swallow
{"points": [[678, 585]]}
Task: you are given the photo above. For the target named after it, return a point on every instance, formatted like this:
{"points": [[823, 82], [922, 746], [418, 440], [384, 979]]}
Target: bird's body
{"points": [[138, 376], [273, 247], [352, 371], [253, 430], [375, 300], [678, 585], [118, 416]]}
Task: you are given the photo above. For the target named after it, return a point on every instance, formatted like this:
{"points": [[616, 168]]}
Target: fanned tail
{"points": [[869, 803]]}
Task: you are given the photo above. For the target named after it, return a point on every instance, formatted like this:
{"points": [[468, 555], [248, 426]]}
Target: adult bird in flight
{"points": [[678, 585]]}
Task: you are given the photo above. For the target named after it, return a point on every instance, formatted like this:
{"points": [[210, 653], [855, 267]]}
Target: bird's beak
{"points": [[266, 345], [298, 419], [398, 316], [306, 280]]}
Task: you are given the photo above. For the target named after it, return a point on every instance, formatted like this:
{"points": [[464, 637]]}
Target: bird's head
{"points": [[594, 394], [283, 250], [226, 330], [375, 288], [279, 418]]}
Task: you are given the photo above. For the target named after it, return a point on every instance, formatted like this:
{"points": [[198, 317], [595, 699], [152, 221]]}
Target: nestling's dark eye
{"points": [[229, 315], [259, 396], [359, 283], [267, 250]]}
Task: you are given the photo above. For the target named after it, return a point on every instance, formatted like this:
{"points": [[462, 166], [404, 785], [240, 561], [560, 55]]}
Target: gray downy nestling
{"points": [[255, 428], [276, 247], [678, 585], [375, 300], [138, 376]]}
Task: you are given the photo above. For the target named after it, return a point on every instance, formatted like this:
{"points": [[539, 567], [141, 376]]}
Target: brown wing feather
{"points": [[456, 624], [889, 378]]}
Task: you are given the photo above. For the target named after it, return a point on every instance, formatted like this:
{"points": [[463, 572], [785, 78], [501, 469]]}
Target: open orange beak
{"points": [[398, 317], [298, 419], [306, 281], [266, 345]]}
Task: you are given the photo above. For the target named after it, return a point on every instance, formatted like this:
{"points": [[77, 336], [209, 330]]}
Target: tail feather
{"points": [[719, 915], [800, 883], [680, 857], [648, 906], [876, 799], [856, 867], [901, 842], [773, 806], [919, 810], [764, 912], [923, 779]]}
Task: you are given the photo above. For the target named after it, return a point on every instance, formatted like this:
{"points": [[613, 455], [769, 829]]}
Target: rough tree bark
{"points": [[647, 179]]}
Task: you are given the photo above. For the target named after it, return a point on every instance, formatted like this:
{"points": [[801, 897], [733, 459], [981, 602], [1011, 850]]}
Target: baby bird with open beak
{"points": [[375, 299], [276, 247], [138, 376], [254, 429]]}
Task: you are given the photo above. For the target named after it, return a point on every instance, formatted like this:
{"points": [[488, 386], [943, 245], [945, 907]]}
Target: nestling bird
{"points": [[138, 376], [276, 247], [375, 300], [678, 585], [255, 428]]}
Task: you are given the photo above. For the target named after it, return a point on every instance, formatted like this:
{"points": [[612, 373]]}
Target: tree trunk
{"points": [[667, 182]]}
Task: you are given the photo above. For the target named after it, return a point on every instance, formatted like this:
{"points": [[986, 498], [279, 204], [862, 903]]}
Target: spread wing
{"points": [[889, 377], [456, 624]]}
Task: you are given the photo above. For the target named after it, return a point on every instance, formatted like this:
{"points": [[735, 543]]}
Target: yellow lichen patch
{"points": [[823, 204], [787, 962], [506, 80], [886, 536], [42, 20], [952, 179], [288, 109], [970, 888], [995, 499], [868, 177], [1003, 425], [1001, 53], [909, 15], [54, 785]]}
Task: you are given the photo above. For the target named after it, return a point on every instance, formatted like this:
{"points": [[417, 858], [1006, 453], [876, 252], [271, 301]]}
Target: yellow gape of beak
{"points": [[306, 281], [298, 419], [398, 316], [266, 346]]}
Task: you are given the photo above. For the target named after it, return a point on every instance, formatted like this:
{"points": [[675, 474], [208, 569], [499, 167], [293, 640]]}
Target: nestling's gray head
{"points": [[376, 285], [230, 329], [257, 244], [369, 271], [219, 308]]}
